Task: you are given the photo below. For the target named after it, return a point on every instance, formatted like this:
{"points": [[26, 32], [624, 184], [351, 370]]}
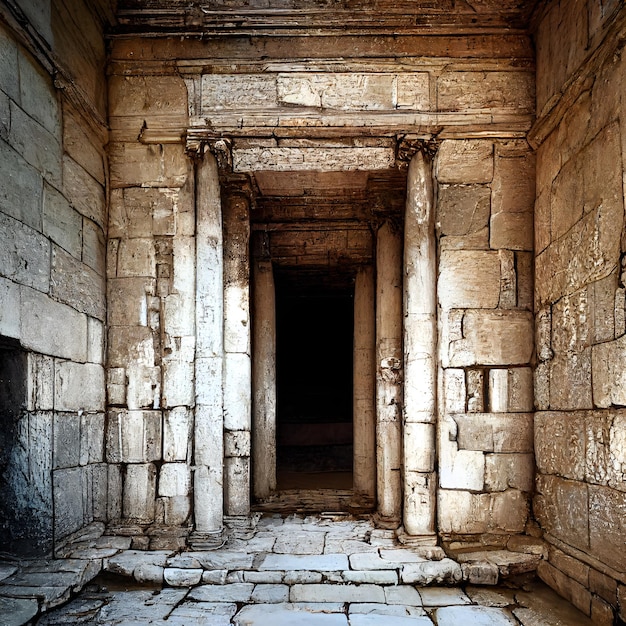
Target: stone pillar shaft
{"points": [[264, 380], [237, 362], [364, 374], [420, 338], [209, 419], [389, 371]]}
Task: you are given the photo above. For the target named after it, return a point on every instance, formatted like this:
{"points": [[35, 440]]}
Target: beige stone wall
{"points": [[52, 265], [345, 116], [485, 194], [580, 244]]}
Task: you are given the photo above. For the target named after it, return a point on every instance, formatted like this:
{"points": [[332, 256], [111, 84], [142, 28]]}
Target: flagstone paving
{"points": [[296, 570]]}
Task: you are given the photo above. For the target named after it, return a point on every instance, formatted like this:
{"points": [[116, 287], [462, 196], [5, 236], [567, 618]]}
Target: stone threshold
{"points": [[262, 560]]}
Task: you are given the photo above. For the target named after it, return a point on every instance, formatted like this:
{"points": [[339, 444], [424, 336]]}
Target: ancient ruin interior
{"points": [[311, 257]]}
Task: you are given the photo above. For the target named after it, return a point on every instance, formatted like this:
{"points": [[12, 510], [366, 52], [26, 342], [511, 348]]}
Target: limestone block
{"points": [[24, 254], [542, 386], [94, 246], [607, 525], [85, 193], [37, 94], [178, 313], [454, 390], [469, 279], [504, 471], [133, 436], [601, 296], [495, 432], [609, 375], [80, 143], [61, 222], [354, 91], [40, 383], [208, 435], [128, 300], [419, 502], [480, 573], [463, 216], [76, 284], [69, 492], [493, 338], [177, 426], [39, 147], [603, 585], [562, 508], [237, 485], [139, 492], [475, 381], [322, 159], [147, 97], [237, 443], [130, 345], [458, 469], [570, 380], [560, 444], [568, 588], [113, 246], [78, 386], [543, 335], [114, 492], [460, 91], [95, 341], [139, 165], [92, 434], [174, 479], [508, 280], [512, 230], [464, 161], [617, 451], [9, 309], [51, 327], [511, 390], [569, 566], [143, 386], [136, 257], [237, 317], [237, 394], [234, 91], [178, 383], [524, 265], [9, 73], [66, 440], [116, 386], [412, 91]]}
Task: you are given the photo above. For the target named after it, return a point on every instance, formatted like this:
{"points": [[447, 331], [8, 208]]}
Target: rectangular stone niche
{"points": [[25, 460]]}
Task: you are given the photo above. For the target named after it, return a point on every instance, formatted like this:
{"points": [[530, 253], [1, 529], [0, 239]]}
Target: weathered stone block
{"points": [[94, 246], [237, 402], [463, 210], [66, 438], [116, 386], [24, 254], [76, 284], [9, 75], [571, 590], [133, 436], [237, 443], [495, 432], [569, 566], [560, 444], [80, 143], [469, 279], [51, 327], [40, 383], [95, 341], [570, 380], [603, 585], [493, 338], [561, 507], [178, 383], [455, 390], [61, 222], [9, 309], [145, 97], [136, 257], [419, 441], [504, 471], [130, 344], [92, 435], [512, 230], [68, 487], [138, 165], [143, 388], [139, 492], [475, 381], [511, 390], [607, 525], [177, 427], [174, 479], [460, 91], [128, 300], [234, 91], [609, 375], [85, 193], [114, 492], [465, 161], [79, 386]]}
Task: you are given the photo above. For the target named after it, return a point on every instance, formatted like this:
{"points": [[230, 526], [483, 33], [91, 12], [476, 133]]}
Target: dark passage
{"points": [[314, 386]]}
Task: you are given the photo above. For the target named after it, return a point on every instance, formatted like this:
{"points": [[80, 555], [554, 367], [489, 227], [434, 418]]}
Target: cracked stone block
{"points": [[445, 571]]}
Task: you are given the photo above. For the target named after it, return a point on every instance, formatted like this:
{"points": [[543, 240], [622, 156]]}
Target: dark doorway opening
{"points": [[314, 352]]}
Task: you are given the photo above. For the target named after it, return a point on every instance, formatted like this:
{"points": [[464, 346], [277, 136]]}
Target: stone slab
{"points": [[443, 596], [17, 611], [388, 620], [473, 616], [294, 562], [279, 615], [337, 593], [234, 592]]}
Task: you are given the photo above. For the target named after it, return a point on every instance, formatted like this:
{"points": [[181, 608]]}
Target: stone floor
{"points": [[294, 570]]}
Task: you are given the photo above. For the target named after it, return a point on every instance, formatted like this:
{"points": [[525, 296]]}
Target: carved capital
{"points": [[408, 146], [220, 147]]}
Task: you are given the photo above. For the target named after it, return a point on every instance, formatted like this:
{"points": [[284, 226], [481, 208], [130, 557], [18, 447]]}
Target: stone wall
{"points": [[52, 271], [345, 116], [580, 245]]}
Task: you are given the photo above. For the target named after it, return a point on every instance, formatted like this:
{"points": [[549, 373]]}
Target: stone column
{"points": [[237, 363], [209, 419], [364, 384], [264, 380], [420, 337], [389, 372]]}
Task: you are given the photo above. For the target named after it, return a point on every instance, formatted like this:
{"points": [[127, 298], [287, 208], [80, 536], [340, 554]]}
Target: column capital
{"points": [[407, 146], [197, 145]]}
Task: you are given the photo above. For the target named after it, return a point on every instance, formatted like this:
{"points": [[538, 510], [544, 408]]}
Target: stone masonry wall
{"points": [[256, 91], [52, 273], [580, 245]]}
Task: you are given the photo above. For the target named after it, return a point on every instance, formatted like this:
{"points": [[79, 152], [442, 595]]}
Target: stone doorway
{"points": [[314, 381]]}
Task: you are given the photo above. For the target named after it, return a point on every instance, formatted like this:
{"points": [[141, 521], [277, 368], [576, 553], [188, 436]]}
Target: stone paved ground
{"points": [[289, 571]]}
